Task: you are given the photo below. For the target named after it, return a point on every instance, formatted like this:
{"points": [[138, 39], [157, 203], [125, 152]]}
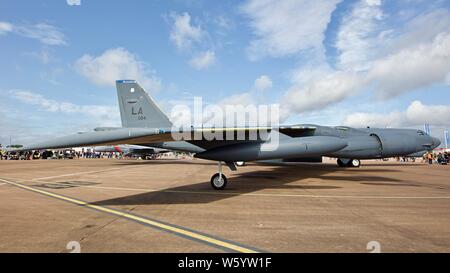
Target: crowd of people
{"points": [[60, 154], [439, 158], [69, 154], [430, 157]]}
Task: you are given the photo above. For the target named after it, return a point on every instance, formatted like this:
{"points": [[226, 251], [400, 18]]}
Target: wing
{"points": [[210, 138], [198, 136]]}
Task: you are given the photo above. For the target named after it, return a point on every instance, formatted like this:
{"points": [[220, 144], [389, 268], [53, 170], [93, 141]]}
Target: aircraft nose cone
{"points": [[436, 142]]}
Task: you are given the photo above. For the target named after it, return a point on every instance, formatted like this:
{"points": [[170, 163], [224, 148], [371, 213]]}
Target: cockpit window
{"points": [[421, 133]]}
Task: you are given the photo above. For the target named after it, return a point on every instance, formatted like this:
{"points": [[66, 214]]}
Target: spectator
{"points": [[430, 158], [441, 159]]}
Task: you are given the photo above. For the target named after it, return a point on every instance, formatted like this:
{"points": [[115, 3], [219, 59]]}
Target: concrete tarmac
{"points": [[110, 205]]}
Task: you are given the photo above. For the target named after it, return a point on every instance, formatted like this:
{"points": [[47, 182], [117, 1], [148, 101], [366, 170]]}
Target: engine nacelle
{"points": [[363, 146], [285, 148]]}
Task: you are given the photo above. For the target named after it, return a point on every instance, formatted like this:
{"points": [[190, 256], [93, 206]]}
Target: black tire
{"points": [[341, 164], [216, 184], [354, 163]]}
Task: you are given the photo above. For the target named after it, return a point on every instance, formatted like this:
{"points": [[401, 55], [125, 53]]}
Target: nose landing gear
{"points": [[219, 180]]}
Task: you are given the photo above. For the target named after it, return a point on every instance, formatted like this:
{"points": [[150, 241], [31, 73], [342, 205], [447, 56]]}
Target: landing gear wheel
{"points": [[354, 163], [341, 163], [240, 163], [218, 181]]}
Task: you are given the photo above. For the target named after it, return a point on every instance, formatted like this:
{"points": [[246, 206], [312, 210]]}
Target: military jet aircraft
{"points": [[143, 123], [129, 150]]}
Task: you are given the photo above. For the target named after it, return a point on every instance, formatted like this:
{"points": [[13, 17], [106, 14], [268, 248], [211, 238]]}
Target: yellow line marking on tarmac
{"points": [[270, 194], [167, 227]]}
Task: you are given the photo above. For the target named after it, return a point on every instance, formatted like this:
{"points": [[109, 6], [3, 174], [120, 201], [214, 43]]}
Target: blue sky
{"points": [[332, 62]]}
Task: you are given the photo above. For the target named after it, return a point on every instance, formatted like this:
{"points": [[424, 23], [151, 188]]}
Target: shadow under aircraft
{"points": [[276, 177]]}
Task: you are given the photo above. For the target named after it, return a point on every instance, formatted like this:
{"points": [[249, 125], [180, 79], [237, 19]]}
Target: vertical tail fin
{"points": [[137, 109]]}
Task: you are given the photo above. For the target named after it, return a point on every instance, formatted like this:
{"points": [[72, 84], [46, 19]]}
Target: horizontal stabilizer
{"points": [[99, 138]]}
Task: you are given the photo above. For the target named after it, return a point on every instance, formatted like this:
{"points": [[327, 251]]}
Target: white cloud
{"points": [[419, 29], [243, 99], [409, 69], [115, 64], [5, 27], [373, 2], [412, 68], [250, 98], [100, 112], [192, 39], [357, 37], [286, 27], [395, 60], [73, 2], [416, 114], [247, 108], [317, 85], [321, 91], [44, 55], [223, 22], [410, 60], [263, 83], [43, 32], [48, 118], [203, 60], [244, 110], [183, 33]]}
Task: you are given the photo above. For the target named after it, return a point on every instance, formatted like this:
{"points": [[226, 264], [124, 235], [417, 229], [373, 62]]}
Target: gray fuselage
{"points": [[340, 142]]}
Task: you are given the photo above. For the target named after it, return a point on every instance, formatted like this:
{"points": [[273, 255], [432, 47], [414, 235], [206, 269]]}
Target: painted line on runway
{"points": [[72, 174], [177, 230], [268, 194], [79, 173]]}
